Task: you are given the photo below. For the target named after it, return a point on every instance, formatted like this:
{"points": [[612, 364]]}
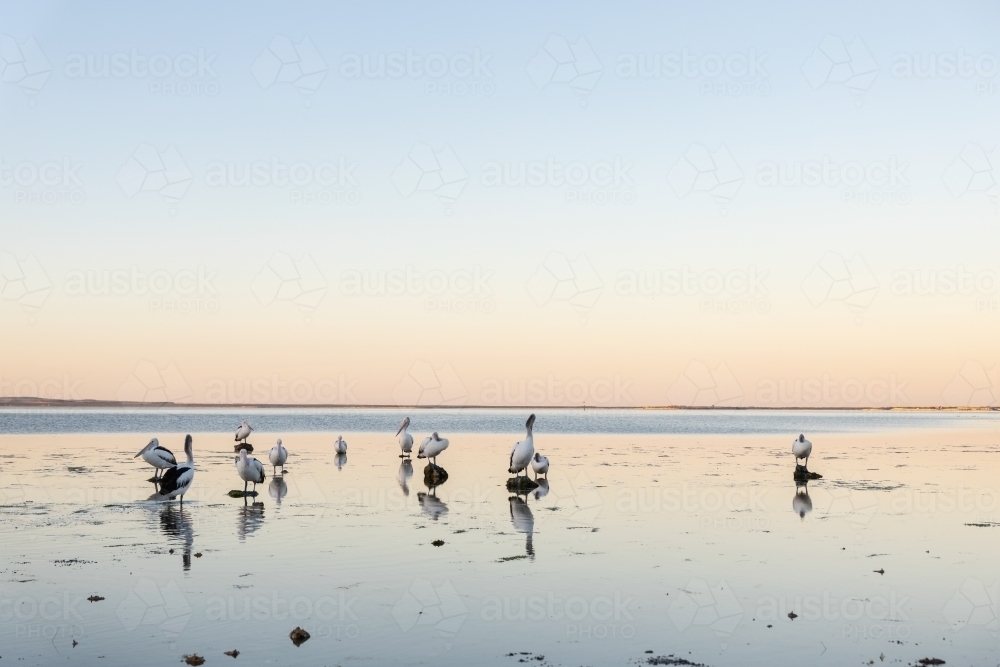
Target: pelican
{"points": [[802, 503], [802, 448], [431, 447], [160, 458], [405, 439], [250, 470], [521, 452], [175, 482], [405, 473], [278, 456], [540, 464], [340, 446], [243, 432]]}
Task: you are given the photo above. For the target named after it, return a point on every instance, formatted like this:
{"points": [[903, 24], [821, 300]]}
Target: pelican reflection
{"points": [[277, 489], [523, 521], [542, 490], [405, 473], [249, 519], [340, 460], [176, 523], [801, 503], [431, 504]]}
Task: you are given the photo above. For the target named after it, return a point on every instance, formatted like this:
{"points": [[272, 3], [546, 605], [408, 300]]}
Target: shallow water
{"points": [[677, 533]]}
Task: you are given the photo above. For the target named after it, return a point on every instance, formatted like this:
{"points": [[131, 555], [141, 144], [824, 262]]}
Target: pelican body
{"points": [[431, 447], [243, 432], [278, 455], [340, 446], [802, 448], [176, 481], [405, 439], [250, 470], [522, 452], [540, 465], [160, 458]]}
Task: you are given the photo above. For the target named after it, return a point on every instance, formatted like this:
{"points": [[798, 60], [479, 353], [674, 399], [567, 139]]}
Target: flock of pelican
{"points": [[175, 479]]}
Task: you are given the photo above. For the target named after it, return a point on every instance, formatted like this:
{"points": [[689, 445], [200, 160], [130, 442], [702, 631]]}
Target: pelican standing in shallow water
{"points": [[160, 458], [250, 470], [340, 446], [540, 464], [176, 481], [243, 432], [802, 448], [405, 439], [431, 447], [278, 456], [522, 452]]}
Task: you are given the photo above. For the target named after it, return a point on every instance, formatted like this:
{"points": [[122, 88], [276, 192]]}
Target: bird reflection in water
{"points": [[340, 460], [405, 473], [801, 503], [431, 504], [176, 523], [277, 489], [541, 491], [250, 518], [523, 521]]}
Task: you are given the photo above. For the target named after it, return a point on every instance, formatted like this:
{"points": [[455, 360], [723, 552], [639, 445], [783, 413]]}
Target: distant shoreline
{"points": [[30, 402]]}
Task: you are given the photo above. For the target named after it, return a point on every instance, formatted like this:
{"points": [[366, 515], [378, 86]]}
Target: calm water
{"points": [[673, 532]]}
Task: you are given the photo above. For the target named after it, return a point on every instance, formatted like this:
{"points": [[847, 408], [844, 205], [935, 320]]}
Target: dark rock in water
{"points": [[435, 475], [298, 636], [521, 484], [243, 445], [236, 493], [802, 474]]}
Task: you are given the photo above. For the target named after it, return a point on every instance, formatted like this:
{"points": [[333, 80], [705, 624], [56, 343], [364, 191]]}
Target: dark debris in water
{"points": [[438, 543], [673, 660], [232, 654], [73, 561], [930, 661], [193, 659], [94, 598], [298, 636]]}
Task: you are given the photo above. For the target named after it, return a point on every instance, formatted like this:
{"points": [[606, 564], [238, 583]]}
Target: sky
{"points": [[663, 203]]}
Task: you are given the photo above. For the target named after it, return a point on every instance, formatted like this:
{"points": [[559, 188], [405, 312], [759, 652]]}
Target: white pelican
{"points": [[278, 456], [340, 446], [540, 464], [250, 470], [802, 448], [405, 439], [431, 447], [521, 452], [175, 482], [243, 432], [160, 458]]}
